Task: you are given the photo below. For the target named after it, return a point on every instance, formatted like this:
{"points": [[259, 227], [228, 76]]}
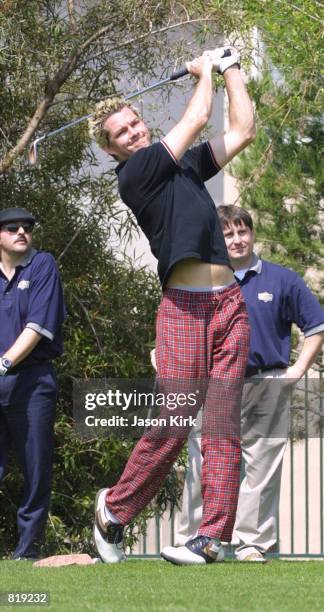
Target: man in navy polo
{"points": [[31, 315], [275, 297]]}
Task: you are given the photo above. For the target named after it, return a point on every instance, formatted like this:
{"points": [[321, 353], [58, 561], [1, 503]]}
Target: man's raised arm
{"points": [[241, 129], [198, 111]]}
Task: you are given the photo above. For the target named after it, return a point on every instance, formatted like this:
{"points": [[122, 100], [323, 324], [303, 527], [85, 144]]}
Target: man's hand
{"points": [[223, 58], [201, 65], [293, 374]]}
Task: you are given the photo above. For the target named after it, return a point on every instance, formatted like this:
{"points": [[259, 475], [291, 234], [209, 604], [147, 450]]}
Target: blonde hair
{"points": [[103, 110]]}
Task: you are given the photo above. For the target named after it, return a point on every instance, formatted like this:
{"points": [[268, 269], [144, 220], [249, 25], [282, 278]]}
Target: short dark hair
{"points": [[234, 214]]}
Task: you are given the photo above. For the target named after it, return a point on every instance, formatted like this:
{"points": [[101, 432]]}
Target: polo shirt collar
{"points": [[256, 265], [27, 259]]}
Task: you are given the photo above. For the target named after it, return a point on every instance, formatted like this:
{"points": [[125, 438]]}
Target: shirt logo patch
{"points": [[23, 284], [265, 296]]}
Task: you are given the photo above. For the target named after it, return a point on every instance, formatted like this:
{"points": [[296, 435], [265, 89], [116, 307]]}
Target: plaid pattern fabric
{"points": [[201, 336]]}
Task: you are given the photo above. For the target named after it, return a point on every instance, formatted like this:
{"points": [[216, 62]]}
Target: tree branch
{"points": [[297, 8], [66, 248], [62, 75], [32, 126], [90, 323], [147, 35], [52, 88], [70, 6]]}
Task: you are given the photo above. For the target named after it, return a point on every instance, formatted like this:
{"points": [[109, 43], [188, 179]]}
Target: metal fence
{"points": [[301, 511]]}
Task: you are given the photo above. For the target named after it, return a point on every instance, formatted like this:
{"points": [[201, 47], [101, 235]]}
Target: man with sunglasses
{"points": [[31, 315]]}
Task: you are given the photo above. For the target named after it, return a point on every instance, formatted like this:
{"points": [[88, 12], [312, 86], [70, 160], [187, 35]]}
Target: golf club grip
{"points": [[184, 71], [179, 74]]}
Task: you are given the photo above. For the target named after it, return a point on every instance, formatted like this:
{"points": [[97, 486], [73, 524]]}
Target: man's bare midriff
{"points": [[195, 273]]}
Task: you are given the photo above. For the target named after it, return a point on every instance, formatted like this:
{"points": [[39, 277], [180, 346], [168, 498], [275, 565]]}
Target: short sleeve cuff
{"points": [[169, 151], [213, 156], [41, 330], [315, 330]]}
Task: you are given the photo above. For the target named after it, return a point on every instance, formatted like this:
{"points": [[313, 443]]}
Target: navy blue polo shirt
{"points": [[172, 204], [33, 298], [276, 298]]}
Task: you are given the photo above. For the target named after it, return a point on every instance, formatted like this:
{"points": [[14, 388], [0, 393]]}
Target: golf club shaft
{"points": [[33, 148], [173, 77]]}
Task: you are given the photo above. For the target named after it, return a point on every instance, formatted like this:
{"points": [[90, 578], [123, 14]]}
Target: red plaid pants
{"points": [[201, 336]]}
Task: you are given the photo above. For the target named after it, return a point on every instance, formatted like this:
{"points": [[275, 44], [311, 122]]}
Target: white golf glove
{"points": [[224, 57]]}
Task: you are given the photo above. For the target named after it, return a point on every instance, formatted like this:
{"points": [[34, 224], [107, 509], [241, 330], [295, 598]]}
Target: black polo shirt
{"points": [[172, 205]]}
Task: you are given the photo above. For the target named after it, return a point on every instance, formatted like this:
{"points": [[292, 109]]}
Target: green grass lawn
{"points": [[157, 585]]}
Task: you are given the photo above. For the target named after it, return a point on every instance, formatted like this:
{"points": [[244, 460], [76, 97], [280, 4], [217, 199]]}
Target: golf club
{"points": [[32, 157]]}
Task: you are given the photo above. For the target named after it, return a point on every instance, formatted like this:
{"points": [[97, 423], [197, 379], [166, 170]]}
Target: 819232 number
{"points": [[24, 598]]}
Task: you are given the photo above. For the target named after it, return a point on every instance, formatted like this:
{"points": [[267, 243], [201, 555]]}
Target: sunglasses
{"points": [[13, 228]]}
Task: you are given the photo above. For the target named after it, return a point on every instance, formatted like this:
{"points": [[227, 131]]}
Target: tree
{"points": [[280, 175], [68, 55]]}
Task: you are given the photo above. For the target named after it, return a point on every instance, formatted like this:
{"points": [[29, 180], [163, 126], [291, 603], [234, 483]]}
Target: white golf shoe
{"points": [[254, 557], [108, 536], [198, 551]]}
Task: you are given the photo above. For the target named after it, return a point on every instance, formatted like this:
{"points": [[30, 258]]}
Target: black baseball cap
{"points": [[15, 214]]}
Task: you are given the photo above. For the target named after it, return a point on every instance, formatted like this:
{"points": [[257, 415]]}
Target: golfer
{"points": [[202, 324]]}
